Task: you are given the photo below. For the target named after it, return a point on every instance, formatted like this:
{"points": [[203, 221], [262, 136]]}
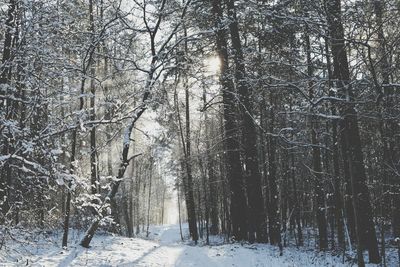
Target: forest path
{"points": [[169, 250], [163, 248]]}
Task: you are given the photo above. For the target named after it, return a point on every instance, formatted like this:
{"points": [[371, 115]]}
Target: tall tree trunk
{"points": [[252, 174], [163, 205], [365, 230], [125, 208], [92, 112], [388, 126], [233, 168], [212, 178], [319, 194], [72, 167], [69, 193], [85, 67], [137, 199], [190, 201], [187, 164], [297, 211], [263, 158], [339, 210], [179, 211], [149, 198], [5, 75], [274, 223]]}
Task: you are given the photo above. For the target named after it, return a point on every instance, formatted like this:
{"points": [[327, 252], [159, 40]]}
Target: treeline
{"points": [[296, 130]]}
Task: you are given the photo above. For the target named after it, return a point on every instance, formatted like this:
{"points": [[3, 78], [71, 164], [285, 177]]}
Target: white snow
{"points": [[163, 248]]}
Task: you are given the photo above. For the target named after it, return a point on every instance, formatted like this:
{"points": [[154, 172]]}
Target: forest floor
{"points": [[163, 247]]}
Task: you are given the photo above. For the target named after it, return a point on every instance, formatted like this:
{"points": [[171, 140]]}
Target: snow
{"points": [[163, 248]]}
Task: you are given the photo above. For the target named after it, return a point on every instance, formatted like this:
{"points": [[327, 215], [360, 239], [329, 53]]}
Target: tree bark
{"points": [[319, 194], [274, 223], [92, 112], [339, 209], [212, 181], [365, 230], [5, 76], [252, 176], [186, 163], [149, 197], [233, 168], [388, 126]]}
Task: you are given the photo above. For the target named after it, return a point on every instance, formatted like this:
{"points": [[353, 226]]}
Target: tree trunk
{"points": [[179, 211], [388, 126], [274, 224], [149, 198], [125, 208], [263, 158], [252, 174], [186, 164], [68, 200], [72, 168], [319, 194], [190, 200], [92, 112], [137, 200], [365, 229], [232, 145], [212, 181], [5, 72], [335, 158]]}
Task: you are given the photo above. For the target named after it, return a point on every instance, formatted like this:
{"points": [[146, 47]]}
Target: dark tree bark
{"points": [[5, 76], [212, 177], [190, 200], [319, 194], [179, 211], [72, 167], [297, 211], [137, 198], [149, 197], [274, 223], [388, 126], [69, 193], [92, 111], [125, 208], [8, 39], [338, 202], [187, 164], [263, 157], [251, 173], [233, 168], [339, 209], [93, 166], [365, 230]]}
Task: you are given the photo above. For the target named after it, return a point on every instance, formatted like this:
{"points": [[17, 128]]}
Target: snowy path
{"points": [[163, 249]]}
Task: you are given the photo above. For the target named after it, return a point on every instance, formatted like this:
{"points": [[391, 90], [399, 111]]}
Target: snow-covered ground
{"points": [[162, 248]]}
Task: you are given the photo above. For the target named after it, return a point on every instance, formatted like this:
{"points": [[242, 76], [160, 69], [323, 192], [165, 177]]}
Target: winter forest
{"points": [[199, 133]]}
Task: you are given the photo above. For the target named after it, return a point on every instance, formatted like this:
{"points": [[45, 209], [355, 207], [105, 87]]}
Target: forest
{"points": [[255, 121]]}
